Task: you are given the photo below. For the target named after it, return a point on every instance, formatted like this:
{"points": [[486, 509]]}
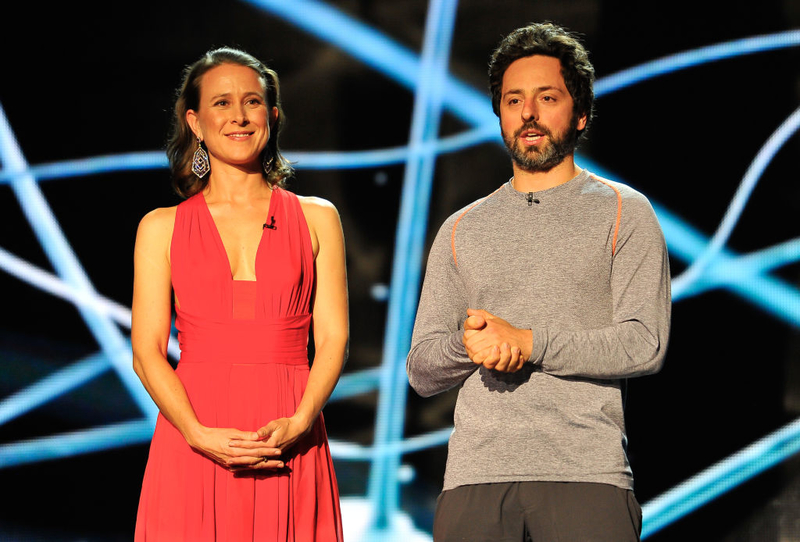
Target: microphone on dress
{"points": [[271, 225]]}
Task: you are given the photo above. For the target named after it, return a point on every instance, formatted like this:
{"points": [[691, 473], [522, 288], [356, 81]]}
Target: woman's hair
{"points": [[549, 40], [182, 142]]}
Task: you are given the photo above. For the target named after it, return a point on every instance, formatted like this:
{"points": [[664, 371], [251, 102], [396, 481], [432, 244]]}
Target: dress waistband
{"points": [[279, 340]]}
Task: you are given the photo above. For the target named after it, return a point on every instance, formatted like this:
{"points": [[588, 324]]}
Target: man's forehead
{"points": [[537, 71]]}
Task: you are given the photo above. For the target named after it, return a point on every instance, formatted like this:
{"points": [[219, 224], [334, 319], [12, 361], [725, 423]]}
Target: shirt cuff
{"points": [[539, 345]]}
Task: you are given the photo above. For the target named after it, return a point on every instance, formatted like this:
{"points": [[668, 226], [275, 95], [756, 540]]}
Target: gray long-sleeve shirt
{"points": [[585, 267]]}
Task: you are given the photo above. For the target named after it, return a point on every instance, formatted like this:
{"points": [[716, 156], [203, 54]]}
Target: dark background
{"points": [[82, 80]]}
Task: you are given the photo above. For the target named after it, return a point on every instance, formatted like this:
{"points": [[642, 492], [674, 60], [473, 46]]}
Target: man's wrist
{"points": [[526, 343]]}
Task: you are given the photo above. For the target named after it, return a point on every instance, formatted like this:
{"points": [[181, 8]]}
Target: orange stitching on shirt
{"points": [[619, 214]]}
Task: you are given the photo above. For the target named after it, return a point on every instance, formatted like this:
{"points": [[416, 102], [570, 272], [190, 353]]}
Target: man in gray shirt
{"points": [[539, 301]]}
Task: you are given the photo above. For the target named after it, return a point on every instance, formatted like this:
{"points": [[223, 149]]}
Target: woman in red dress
{"points": [[239, 451]]}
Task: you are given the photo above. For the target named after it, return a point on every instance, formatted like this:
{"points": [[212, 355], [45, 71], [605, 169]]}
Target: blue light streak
{"points": [[359, 383], [320, 160], [765, 155], [89, 300], [52, 386], [409, 245], [133, 161], [53, 285], [354, 452], [377, 51], [695, 57], [64, 261], [65, 445], [720, 478]]}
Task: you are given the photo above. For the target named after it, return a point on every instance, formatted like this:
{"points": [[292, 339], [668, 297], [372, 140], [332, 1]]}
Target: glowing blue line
{"points": [[75, 443], [53, 385], [358, 383], [348, 451], [764, 260], [720, 478], [766, 292], [765, 155], [376, 50], [58, 251], [392, 156], [99, 165], [93, 165], [411, 226], [695, 57], [53, 285]]}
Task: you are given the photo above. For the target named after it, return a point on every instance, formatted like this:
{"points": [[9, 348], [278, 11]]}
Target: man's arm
{"points": [[438, 360], [634, 343]]}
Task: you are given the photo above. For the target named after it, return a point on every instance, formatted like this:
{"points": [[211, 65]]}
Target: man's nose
{"points": [[529, 111]]}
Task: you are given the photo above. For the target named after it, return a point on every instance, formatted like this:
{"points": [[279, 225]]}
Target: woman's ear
{"points": [[273, 117], [194, 124]]}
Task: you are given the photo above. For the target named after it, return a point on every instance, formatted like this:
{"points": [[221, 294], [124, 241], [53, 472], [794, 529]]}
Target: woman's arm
{"points": [[150, 328], [329, 320]]}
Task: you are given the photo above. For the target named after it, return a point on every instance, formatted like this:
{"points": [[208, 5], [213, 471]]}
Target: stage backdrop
{"points": [[389, 119]]}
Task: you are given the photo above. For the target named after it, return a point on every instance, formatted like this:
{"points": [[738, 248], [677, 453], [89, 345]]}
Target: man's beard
{"points": [[546, 157]]}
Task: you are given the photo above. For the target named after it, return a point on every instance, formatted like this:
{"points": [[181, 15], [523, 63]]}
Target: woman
{"points": [[239, 450]]}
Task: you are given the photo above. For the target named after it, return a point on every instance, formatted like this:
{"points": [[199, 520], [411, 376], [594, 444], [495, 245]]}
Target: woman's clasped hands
{"points": [[236, 450]]}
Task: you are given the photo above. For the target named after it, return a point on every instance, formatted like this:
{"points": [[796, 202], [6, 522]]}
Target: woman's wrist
{"points": [[304, 420], [194, 434]]}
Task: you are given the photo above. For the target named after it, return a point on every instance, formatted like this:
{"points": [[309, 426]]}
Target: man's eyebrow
{"points": [[537, 89]]}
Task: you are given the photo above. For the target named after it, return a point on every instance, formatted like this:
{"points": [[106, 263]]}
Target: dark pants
{"points": [[537, 512]]}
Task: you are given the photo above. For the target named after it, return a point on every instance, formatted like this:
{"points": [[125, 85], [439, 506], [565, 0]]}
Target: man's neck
{"points": [[536, 181]]}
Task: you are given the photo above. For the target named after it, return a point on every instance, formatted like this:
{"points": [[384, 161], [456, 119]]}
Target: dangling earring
{"points": [[200, 164], [267, 163]]}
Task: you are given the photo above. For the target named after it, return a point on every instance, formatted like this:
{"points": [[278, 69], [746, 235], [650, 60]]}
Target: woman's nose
{"points": [[240, 115]]}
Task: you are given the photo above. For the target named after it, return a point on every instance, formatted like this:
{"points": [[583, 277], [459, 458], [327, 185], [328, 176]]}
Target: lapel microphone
{"points": [[271, 225]]}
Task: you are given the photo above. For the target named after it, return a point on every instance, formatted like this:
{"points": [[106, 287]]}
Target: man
{"points": [[539, 301]]}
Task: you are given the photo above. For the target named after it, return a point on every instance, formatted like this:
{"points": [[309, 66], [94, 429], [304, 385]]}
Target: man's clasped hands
{"points": [[494, 343]]}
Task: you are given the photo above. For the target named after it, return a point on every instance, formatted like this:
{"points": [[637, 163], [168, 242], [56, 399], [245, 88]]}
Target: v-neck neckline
{"points": [[222, 245]]}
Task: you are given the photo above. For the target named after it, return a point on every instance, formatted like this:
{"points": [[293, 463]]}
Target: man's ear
{"points": [[582, 122]]}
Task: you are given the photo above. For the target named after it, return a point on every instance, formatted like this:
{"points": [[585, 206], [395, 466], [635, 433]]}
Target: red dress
{"points": [[243, 363]]}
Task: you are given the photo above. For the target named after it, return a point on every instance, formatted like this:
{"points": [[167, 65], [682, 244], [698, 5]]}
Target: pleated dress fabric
{"points": [[244, 362]]}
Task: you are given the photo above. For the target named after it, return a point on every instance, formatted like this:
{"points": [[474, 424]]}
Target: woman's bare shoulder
{"points": [[316, 208], [156, 226]]}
